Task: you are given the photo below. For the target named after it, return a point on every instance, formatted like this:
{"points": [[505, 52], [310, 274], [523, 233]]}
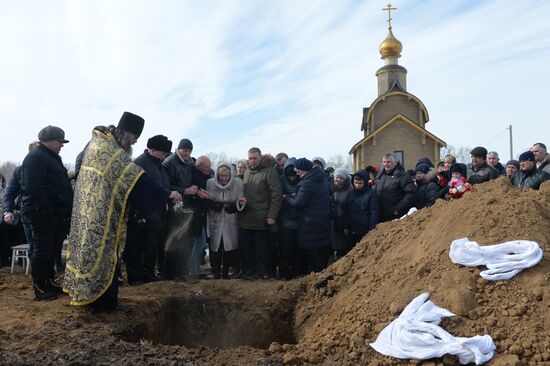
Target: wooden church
{"points": [[396, 120]]}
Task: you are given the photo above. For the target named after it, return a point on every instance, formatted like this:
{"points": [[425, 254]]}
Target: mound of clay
{"points": [[348, 304]]}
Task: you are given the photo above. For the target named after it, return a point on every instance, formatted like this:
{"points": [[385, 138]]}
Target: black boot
{"points": [[42, 292], [54, 287]]}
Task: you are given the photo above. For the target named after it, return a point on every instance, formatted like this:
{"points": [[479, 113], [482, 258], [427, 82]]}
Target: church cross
{"points": [[389, 9]]}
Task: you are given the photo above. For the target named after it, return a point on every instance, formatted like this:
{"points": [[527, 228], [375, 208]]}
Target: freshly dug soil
{"points": [[327, 318], [162, 323], [399, 260]]}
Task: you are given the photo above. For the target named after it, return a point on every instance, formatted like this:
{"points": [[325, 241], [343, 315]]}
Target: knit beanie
{"points": [[422, 167], [303, 164], [341, 172], [527, 156], [320, 160], [185, 144], [513, 162]]}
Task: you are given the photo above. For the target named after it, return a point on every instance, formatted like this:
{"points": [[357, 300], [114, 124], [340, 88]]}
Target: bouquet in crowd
{"points": [[458, 186]]}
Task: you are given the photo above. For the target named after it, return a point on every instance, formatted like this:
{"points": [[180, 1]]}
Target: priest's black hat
{"points": [[132, 123]]}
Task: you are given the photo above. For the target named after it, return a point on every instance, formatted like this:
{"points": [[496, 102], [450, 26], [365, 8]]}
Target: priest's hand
{"points": [[175, 196]]}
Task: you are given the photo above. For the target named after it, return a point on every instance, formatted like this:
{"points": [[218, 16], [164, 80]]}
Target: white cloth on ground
{"points": [[416, 334], [503, 261], [409, 213]]}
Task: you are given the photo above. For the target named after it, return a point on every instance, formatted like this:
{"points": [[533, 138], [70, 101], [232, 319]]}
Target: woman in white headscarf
{"points": [[223, 224]]}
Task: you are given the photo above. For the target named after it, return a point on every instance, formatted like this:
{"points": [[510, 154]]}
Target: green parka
{"points": [[262, 189]]}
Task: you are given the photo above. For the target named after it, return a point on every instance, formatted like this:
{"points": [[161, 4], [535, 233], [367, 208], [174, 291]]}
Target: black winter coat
{"points": [[339, 201], [289, 215], [396, 192], [501, 170], [529, 180], [313, 201], [481, 174], [179, 172], [45, 185], [426, 194], [200, 205], [361, 211], [154, 168]]}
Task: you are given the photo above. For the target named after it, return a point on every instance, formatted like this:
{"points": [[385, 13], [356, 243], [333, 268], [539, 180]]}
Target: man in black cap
{"points": [[478, 170], [179, 168], [528, 175], [146, 232], [107, 183], [46, 202]]}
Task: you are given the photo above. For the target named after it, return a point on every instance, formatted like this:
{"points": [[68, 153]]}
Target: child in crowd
{"points": [[458, 184]]}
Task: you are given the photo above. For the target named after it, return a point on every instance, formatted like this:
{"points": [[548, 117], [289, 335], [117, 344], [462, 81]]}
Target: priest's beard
{"points": [[125, 142]]}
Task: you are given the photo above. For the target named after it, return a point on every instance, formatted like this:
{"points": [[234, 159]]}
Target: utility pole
{"points": [[511, 143]]}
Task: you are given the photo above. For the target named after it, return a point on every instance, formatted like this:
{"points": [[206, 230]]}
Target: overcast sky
{"points": [[288, 76]]}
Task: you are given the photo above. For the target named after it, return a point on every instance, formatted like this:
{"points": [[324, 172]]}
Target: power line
{"points": [[494, 137]]}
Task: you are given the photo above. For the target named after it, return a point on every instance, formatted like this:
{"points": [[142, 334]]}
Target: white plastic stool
{"points": [[20, 252]]}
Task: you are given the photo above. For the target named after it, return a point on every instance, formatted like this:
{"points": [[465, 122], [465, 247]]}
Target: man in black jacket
{"points": [[395, 188], [145, 236], [494, 161], [46, 203], [478, 170], [179, 167], [528, 176]]}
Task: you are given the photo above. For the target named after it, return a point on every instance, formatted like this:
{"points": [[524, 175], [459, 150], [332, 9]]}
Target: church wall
{"points": [[386, 110], [399, 136]]}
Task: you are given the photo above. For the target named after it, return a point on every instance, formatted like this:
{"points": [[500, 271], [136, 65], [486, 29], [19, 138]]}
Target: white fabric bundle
{"points": [[409, 213], [416, 334], [503, 261]]}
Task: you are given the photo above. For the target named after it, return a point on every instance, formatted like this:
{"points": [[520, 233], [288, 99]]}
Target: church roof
{"points": [[395, 89], [398, 117], [391, 67]]}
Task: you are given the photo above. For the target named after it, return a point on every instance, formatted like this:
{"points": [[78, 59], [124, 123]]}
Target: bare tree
{"points": [[336, 161], [218, 158], [339, 161], [462, 154]]}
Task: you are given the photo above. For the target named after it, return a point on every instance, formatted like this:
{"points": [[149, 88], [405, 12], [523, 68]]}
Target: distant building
{"points": [[396, 120]]}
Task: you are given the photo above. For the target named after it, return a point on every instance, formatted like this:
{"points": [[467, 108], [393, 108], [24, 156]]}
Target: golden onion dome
{"points": [[390, 46]]}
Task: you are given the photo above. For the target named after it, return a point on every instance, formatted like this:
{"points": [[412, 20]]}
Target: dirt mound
{"points": [[336, 313], [360, 294]]}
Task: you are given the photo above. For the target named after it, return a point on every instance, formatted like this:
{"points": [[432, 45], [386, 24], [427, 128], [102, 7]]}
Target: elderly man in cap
{"points": [[46, 201], [478, 170], [528, 176], [108, 181], [146, 232]]}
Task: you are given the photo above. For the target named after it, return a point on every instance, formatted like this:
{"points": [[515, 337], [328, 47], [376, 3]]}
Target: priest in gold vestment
{"points": [[108, 181]]}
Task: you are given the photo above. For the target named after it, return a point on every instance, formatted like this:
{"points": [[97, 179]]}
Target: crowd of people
{"points": [[260, 218]]}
